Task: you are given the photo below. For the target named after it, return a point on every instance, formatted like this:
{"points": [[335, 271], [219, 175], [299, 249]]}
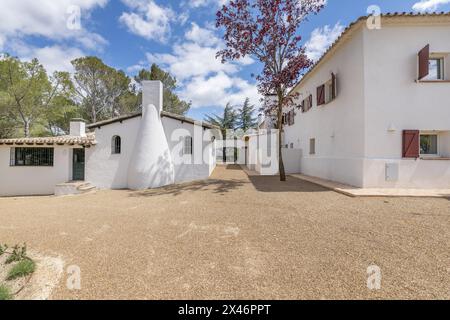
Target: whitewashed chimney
{"points": [[152, 94], [77, 128]]}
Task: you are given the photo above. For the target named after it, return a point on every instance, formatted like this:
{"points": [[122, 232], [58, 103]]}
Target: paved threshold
{"points": [[376, 192]]}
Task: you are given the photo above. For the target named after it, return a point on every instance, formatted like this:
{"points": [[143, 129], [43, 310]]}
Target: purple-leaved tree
{"points": [[269, 31]]}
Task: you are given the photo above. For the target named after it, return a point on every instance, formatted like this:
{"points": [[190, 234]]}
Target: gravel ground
{"points": [[238, 237]]}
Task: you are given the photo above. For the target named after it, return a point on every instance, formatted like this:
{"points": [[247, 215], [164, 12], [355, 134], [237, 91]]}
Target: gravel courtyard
{"points": [[238, 237]]}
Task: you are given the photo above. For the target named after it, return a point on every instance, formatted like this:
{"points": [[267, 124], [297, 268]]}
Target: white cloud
{"points": [[205, 80], [204, 3], [218, 90], [148, 19], [202, 36], [321, 39], [53, 58], [429, 5], [49, 19]]}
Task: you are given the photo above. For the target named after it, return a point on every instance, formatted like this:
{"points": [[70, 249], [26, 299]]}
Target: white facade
{"points": [[21, 181], [153, 151], [358, 136]]}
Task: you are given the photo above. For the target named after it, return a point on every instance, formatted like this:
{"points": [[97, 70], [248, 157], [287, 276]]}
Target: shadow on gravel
{"points": [[212, 185], [273, 184]]}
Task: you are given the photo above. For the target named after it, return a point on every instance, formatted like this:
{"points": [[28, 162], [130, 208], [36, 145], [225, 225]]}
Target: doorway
{"points": [[78, 165]]}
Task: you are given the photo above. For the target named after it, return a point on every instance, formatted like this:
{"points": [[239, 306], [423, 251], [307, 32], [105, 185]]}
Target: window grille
{"points": [[32, 157], [187, 145]]}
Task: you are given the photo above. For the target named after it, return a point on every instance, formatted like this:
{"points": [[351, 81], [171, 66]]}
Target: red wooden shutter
{"points": [[411, 141], [333, 86], [424, 62], [321, 95]]}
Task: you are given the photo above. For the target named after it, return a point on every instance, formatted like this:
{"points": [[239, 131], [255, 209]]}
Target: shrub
{"points": [[4, 293], [22, 269], [18, 254]]}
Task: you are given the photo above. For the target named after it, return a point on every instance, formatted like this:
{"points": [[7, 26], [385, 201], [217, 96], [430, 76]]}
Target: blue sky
{"points": [[178, 35]]}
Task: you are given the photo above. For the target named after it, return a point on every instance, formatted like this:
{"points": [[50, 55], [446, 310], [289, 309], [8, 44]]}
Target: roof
{"points": [[405, 17], [86, 141], [163, 114]]}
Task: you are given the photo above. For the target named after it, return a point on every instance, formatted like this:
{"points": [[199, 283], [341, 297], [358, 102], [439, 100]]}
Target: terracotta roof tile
{"points": [[86, 141]]}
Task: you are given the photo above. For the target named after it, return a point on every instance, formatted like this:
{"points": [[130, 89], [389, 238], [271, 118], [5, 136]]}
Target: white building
{"points": [[140, 151], [374, 111]]}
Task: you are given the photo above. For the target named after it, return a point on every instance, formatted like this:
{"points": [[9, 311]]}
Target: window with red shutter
{"points": [[411, 142], [424, 61], [321, 95], [334, 86]]}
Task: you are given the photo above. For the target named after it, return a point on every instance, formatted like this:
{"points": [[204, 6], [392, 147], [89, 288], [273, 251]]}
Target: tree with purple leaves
{"points": [[269, 31]]}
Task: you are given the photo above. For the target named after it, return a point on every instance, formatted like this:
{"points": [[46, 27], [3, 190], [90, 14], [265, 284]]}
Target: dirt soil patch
{"points": [[237, 237]]}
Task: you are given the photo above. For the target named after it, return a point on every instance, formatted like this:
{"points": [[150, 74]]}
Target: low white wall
{"points": [[292, 160], [419, 174], [27, 181], [344, 170]]}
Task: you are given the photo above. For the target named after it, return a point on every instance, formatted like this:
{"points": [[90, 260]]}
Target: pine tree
{"points": [[246, 119], [227, 122]]}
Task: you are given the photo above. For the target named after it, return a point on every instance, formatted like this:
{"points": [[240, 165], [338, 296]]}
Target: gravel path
{"points": [[238, 237]]}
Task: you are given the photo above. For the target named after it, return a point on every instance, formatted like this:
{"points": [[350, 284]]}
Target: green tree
{"points": [[27, 92], [172, 103], [7, 125], [246, 119], [102, 91], [226, 123], [63, 108]]}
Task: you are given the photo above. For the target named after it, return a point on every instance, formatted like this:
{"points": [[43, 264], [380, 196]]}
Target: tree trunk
{"points": [[224, 149], [26, 129], [94, 114], [280, 133]]}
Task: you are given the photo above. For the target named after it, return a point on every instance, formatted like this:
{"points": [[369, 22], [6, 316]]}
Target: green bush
{"points": [[4, 293], [18, 254], [22, 269]]}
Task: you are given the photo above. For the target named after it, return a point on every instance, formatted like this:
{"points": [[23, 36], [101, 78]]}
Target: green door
{"points": [[78, 165]]}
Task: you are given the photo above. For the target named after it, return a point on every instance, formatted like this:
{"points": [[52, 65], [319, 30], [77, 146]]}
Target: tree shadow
{"points": [[215, 186], [293, 184], [233, 167]]}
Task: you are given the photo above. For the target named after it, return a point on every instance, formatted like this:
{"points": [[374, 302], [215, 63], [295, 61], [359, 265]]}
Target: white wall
{"points": [[104, 169], [110, 171], [263, 153], [377, 91], [394, 99], [202, 162], [22, 181], [338, 127]]}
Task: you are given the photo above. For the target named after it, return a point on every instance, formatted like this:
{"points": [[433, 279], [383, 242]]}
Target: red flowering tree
{"points": [[268, 30]]}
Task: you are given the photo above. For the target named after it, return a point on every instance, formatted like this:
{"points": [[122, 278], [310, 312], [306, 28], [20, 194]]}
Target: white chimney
{"points": [[152, 94], [77, 128]]}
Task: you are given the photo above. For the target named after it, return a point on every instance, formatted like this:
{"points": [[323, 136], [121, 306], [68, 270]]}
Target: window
{"points": [[436, 69], [428, 144], [187, 145], [328, 91], [292, 145], [307, 103], [320, 95], [116, 145], [312, 146], [32, 157]]}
